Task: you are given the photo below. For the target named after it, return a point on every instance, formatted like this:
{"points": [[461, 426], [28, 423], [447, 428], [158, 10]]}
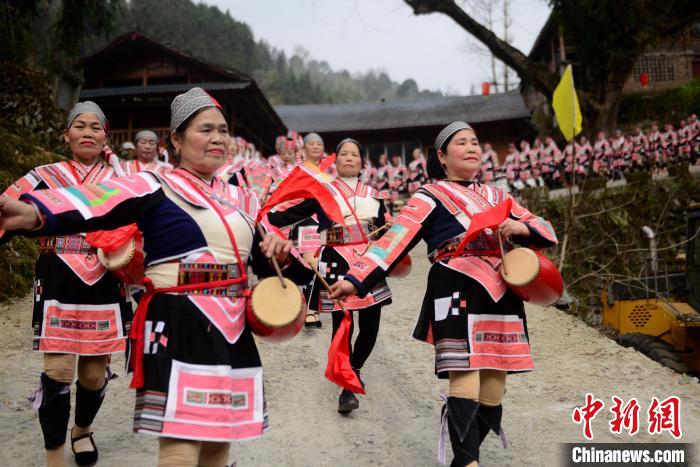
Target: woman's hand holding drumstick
{"points": [[511, 227], [277, 249]]}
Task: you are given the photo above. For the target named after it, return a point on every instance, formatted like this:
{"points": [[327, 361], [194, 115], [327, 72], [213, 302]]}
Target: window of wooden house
{"points": [[659, 67], [394, 149], [373, 151], [408, 149]]}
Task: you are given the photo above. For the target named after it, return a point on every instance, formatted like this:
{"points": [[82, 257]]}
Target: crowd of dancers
{"points": [[544, 163], [538, 164], [191, 227]]}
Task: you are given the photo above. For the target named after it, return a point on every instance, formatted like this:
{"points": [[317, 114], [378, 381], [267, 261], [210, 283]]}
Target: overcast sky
{"points": [[359, 35]]}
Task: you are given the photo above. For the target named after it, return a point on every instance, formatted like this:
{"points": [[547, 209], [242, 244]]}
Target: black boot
{"points": [[490, 419], [463, 429], [87, 404], [347, 402], [53, 402]]}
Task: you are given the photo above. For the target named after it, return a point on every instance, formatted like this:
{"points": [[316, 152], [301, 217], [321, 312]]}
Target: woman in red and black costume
{"points": [[196, 368], [364, 211], [81, 314], [478, 326]]}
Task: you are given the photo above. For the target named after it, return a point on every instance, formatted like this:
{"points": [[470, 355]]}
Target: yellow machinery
{"points": [[659, 315]]}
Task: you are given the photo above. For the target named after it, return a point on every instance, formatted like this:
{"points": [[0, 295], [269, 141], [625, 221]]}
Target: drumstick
{"points": [[370, 234], [503, 254], [275, 264], [325, 285], [377, 230]]}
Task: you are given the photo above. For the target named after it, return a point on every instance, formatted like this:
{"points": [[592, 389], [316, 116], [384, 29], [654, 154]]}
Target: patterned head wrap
{"points": [[145, 134], [289, 145], [312, 137], [348, 140], [448, 131], [86, 107], [184, 105], [279, 142]]}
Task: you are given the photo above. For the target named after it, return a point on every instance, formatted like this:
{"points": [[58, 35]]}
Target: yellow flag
{"points": [[565, 104]]}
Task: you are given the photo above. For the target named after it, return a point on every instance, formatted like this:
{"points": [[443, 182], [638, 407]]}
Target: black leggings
{"points": [[369, 328]]}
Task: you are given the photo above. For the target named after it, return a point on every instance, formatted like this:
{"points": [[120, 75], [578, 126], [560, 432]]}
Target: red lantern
{"points": [[485, 88], [644, 79]]}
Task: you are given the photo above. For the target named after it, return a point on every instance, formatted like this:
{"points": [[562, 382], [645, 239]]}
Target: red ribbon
{"points": [[338, 369]]}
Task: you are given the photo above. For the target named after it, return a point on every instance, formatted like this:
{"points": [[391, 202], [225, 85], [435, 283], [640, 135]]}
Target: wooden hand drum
{"points": [[532, 276], [126, 262], [402, 268], [275, 313]]}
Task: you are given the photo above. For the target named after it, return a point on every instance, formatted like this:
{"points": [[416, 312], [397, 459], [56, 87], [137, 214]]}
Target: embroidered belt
{"points": [[201, 273], [69, 244], [339, 235], [447, 249]]}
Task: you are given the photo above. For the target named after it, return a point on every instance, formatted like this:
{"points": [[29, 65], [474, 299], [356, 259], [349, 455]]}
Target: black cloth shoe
{"points": [[347, 402], [463, 429], [84, 457]]}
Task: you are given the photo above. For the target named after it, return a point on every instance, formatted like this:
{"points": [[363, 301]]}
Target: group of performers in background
{"points": [[544, 163], [196, 369]]}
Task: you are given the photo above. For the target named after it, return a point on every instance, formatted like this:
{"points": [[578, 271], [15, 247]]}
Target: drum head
{"points": [[119, 258], [275, 305], [522, 265]]}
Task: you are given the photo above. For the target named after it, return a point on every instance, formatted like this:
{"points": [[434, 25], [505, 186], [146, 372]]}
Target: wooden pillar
{"points": [[129, 126], [232, 118]]}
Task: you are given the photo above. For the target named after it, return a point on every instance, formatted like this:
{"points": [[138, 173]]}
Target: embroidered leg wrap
{"points": [[490, 419], [463, 429], [53, 401], [87, 404]]}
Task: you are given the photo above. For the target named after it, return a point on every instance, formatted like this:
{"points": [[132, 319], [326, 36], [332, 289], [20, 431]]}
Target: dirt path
{"points": [[397, 423]]}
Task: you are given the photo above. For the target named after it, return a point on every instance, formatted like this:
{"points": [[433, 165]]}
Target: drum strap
{"points": [[459, 251], [217, 210], [136, 334], [354, 215]]}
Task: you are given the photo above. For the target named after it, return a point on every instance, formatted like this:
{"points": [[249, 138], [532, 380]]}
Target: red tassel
{"points": [[339, 371], [137, 336]]}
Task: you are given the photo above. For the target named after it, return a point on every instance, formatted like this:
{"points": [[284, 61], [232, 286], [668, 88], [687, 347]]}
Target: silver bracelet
{"points": [[39, 215]]}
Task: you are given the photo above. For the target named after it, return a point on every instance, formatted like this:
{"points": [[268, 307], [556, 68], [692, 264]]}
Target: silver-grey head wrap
{"points": [[312, 137], [145, 134], [188, 103], [348, 140], [86, 107], [448, 131]]}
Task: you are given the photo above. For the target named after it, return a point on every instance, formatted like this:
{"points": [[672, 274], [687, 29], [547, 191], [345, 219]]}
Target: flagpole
{"points": [[569, 219]]}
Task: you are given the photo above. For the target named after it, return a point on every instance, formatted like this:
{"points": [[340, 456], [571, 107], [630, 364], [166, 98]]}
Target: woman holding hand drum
{"points": [[196, 367], [81, 315], [476, 323], [364, 213]]}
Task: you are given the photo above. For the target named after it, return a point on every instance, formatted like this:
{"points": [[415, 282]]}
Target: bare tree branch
{"points": [[605, 211], [536, 74]]}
